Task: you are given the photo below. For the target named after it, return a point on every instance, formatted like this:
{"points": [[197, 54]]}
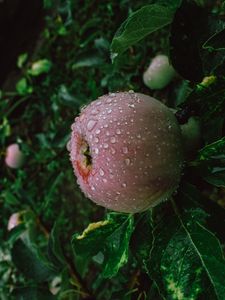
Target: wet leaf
{"points": [[110, 237], [28, 261], [138, 25]]}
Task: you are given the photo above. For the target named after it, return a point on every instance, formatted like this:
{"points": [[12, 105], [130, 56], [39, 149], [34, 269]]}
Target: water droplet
{"points": [[131, 105], [113, 140], [118, 131], [91, 124], [97, 131], [108, 100], [125, 150], [101, 172], [138, 136], [107, 133], [109, 111], [98, 103], [127, 161], [132, 120], [131, 92], [124, 184], [96, 150], [96, 140], [106, 125], [105, 145], [113, 151], [93, 188], [94, 112], [112, 94]]}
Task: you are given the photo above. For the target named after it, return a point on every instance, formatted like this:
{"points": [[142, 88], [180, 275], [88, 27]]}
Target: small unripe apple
{"points": [[191, 132], [159, 73], [14, 156], [126, 151], [14, 220]]}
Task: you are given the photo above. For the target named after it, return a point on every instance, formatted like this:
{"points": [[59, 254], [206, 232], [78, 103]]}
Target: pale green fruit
{"points": [[159, 73]]}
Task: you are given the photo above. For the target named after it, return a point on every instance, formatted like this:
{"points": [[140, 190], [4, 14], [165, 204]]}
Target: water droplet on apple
{"points": [[113, 140], [113, 151], [125, 150], [101, 172], [127, 161], [91, 124]]}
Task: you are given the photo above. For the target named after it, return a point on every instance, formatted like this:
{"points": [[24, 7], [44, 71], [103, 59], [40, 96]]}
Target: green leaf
{"points": [[116, 248], [55, 252], [29, 262], [138, 25], [91, 59], [21, 60], [186, 260], [210, 163], [141, 240], [111, 237], [23, 88], [215, 150], [208, 101], [32, 293], [39, 67], [215, 42]]}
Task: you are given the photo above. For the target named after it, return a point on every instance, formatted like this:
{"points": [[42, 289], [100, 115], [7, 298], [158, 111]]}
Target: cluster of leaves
{"points": [[174, 251]]}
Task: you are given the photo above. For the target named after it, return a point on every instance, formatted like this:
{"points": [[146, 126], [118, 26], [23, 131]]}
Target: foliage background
{"points": [[69, 66]]}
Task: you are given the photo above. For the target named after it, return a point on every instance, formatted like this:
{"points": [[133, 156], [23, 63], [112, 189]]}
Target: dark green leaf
{"points": [[32, 293], [186, 260], [210, 163], [55, 252], [208, 101], [91, 59], [29, 262], [138, 25], [141, 240], [215, 42], [23, 88]]}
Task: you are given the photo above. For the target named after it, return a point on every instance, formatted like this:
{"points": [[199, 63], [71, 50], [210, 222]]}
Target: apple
{"points": [[14, 156], [159, 73], [126, 151], [14, 220]]}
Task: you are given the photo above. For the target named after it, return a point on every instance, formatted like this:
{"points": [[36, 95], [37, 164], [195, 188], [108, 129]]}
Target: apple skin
{"points": [[159, 73], [14, 156], [126, 151]]}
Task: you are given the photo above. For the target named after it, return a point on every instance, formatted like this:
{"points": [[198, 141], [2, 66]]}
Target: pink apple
{"points": [[14, 156], [126, 151], [14, 220]]}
